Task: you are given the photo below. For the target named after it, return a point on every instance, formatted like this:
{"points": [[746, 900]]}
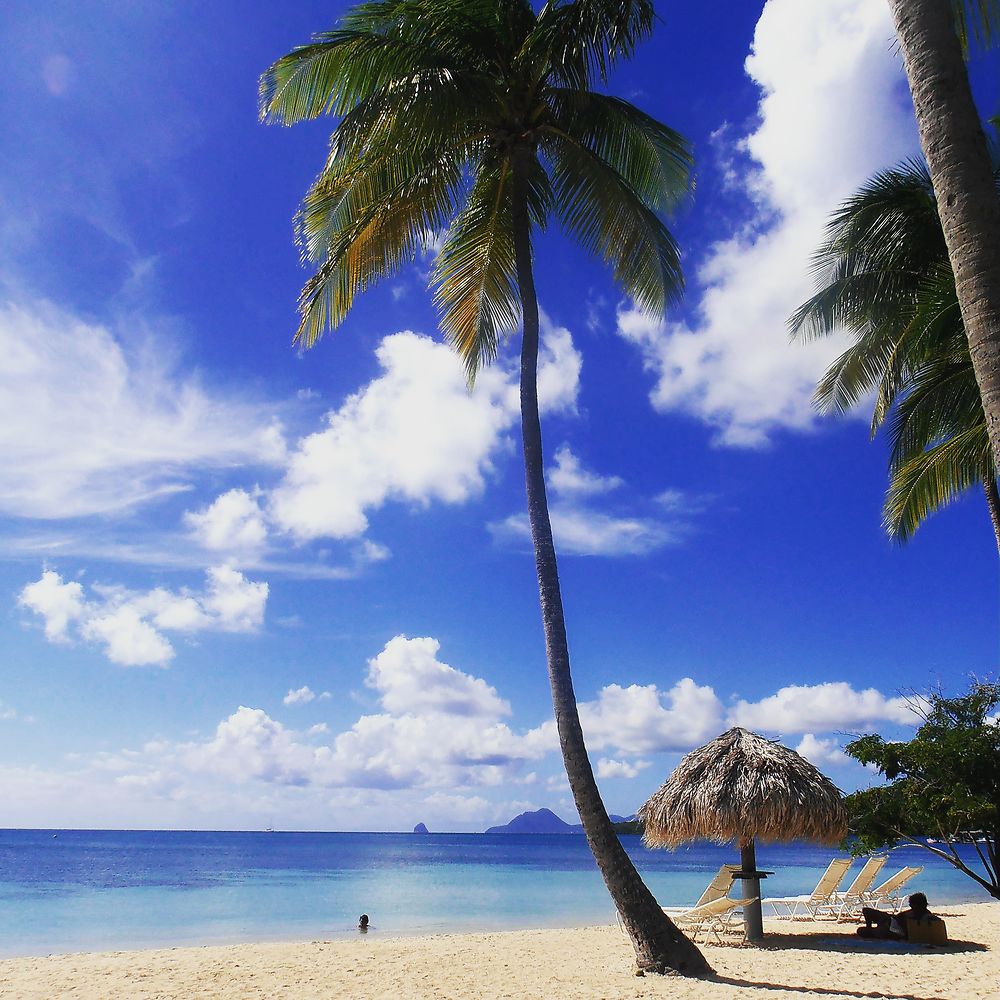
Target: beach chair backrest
{"points": [[896, 882], [866, 876], [831, 878], [719, 887]]}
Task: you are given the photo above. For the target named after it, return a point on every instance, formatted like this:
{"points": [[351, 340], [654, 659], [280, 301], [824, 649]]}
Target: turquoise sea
{"points": [[82, 890]]}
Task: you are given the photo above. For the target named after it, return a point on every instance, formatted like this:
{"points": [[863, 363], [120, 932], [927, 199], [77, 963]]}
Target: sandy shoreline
{"points": [[595, 963]]}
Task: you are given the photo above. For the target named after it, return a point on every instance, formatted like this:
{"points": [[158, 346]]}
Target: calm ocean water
{"points": [[100, 890]]}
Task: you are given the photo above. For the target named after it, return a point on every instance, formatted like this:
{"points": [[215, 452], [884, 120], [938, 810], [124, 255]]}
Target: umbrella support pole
{"points": [[753, 917]]}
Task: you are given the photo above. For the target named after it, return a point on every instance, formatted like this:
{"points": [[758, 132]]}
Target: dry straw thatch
{"points": [[743, 786]]}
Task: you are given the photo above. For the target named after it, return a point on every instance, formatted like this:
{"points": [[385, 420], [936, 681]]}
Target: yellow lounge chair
{"points": [[809, 906], [715, 917], [718, 888], [848, 903], [887, 895]]}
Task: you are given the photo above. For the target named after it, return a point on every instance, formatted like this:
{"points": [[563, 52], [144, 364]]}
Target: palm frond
{"points": [[371, 226], [475, 277], [977, 23], [598, 208], [943, 400], [583, 39], [934, 478], [654, 160]]}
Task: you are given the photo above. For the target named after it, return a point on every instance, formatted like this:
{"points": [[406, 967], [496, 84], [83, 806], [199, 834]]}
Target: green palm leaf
{"points": [[476, 290], [934, 478], [610, 219]]}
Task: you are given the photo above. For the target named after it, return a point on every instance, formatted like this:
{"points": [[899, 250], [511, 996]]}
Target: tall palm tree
{"points": [[479, 118], [932, 35], [885, 277]]}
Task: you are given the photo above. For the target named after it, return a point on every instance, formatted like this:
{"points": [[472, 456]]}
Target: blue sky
{"points": [[245, 586]]}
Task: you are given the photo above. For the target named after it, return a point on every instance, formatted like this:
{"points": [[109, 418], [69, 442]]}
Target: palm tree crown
{"points": [[441, 102], [886, 278]]}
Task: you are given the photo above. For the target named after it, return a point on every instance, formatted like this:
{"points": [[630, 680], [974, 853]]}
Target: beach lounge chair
{"points": [[887, 895], [718, 888], [848, 904], [810, 906], [712, 918]]}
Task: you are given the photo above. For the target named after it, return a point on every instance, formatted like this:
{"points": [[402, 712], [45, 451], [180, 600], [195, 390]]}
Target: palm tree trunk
{"points": [[993, 503], [955, 148], [659, 945]]}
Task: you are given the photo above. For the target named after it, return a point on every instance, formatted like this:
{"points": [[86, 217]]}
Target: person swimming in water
{"points": [[363, 923]]}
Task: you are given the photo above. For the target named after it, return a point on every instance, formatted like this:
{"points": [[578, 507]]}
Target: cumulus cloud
{"points": [[569, 478], [232, 523], [822, 753], [130, 625], [87, 427], [804, 708], [437, 743], [304, 695], [642, 719], [57, 602], [409, 678], [610, 768], [437, 727], [415, 434], [831, 112]]}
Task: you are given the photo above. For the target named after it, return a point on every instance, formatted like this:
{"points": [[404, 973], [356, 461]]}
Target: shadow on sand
{"points": [[845, 944]]}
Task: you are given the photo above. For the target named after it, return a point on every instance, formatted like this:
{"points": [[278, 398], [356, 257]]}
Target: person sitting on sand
{"points": [[879, 924], [363, 923]]}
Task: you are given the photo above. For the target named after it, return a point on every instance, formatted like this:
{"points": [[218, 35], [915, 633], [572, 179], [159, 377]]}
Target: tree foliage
{"points": [[885, 278], [944, 784], [436, 99]]}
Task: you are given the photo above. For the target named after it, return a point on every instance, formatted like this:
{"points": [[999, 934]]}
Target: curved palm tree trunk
{"points": [[993, 503], [955, 148], [659, 945]]}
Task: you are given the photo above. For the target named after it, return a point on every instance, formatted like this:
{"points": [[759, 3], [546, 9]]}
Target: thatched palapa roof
{"points": [[743, 785]]}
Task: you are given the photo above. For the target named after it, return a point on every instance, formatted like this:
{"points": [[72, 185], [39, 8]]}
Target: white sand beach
{"points": [[594, 963]]}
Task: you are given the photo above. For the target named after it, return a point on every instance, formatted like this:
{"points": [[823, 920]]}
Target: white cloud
{"points": [[821, 708], [581, 531], [304, 695], [410, 679], [568, 476], [436, 749], [87, 427], [7, 713], [233, 523], [130, 625], [58, 603], [642, 719], [822, 753], [129, 640], [414, 434], [610, 768], [831, 113]]}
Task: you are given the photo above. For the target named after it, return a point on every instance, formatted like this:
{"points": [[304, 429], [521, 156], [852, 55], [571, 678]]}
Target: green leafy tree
{"points": [[933, 38], [943, 784], [885, 278], [479, 118]]}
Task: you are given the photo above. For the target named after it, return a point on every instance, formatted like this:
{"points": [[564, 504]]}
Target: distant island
{"points": [[546, 821], [420, 828]]}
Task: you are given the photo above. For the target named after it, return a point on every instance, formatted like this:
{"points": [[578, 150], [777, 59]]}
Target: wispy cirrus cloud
{"points": [[582, 528], [88, 427]]}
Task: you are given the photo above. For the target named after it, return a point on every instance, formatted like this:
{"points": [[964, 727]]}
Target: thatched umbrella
{"points": [[742, 787]]}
